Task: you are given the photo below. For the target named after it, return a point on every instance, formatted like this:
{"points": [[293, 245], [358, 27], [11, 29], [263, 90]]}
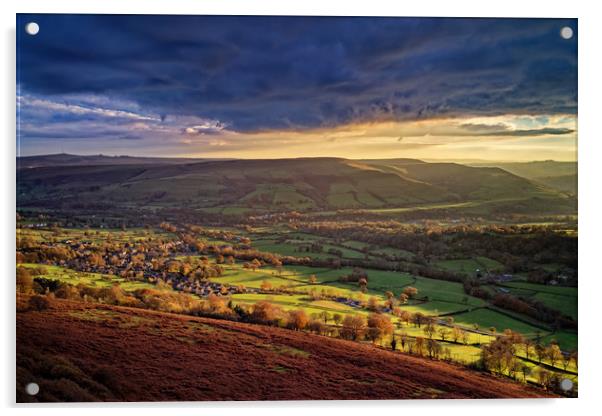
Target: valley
{"points": [[440, 263]]}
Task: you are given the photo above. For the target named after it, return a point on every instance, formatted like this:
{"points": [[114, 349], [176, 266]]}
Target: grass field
{"points": [[289, 302], [96, 235], [445, 291], [561, 298], [469, 266], [566, 339], [486, 319], [88, 279], [297, 248]]}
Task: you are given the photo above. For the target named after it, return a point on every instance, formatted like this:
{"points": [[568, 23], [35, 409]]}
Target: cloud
{"points": [[300, 72], [207, 127], [499, 130]]}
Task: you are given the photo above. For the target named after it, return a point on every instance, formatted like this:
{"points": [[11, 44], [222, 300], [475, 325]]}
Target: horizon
{"points": [[425, 88], [297, 157]]}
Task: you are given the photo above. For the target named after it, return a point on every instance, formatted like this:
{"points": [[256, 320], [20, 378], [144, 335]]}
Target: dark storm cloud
{"points": [[262, 73], [504, 130]]}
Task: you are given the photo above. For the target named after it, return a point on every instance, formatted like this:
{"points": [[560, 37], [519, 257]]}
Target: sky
{"points": [[274, 86]]}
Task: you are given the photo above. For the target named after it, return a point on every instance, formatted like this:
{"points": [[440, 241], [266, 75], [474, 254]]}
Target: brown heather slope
{"points": [[85, 352]]}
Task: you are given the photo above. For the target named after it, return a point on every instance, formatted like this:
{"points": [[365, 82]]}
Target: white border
{"points": [[590, 178]]}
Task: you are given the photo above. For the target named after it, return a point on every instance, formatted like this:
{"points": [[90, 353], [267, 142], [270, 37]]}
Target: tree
{"points": [[515, 368], [403, 298], [217, 304], [429, 329], [372, 304], [316, 326], [405, 316], [254, 265], [465, 337], [337, 318], [528, 345], [566, 360], [574, 357], [363, 284], [544, 378], [265, 286], [325, 316], [278, 265], [379, 325], [313, 279], [264, 311], [393, 344], [354, 327], [24, 280], [410, 291], [554, 354], [433, 348], [443, 333], [403, 337], [526, 370], [456, 333], [419, 345], [297, 319], [540, 351], [498, 355], [418, 319]]}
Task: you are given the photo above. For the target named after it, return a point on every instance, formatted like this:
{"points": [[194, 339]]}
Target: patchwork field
{"points": [[323, 293], [561, 298]]}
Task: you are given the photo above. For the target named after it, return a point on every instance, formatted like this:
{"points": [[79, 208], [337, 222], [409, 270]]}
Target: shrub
{"points": [[38, 303]]}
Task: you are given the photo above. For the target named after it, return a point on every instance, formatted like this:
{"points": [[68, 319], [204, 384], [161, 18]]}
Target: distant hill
{"points": [[277, 184], [87, 352], [558, 175], [64, 159]]}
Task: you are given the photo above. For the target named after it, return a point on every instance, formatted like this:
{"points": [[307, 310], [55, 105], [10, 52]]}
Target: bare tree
{"points": [[456, 333], [354, 327], [554, 354], [443, 333], [429, 329]]}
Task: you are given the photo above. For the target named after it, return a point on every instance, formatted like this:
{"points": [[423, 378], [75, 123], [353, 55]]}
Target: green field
{"points": [[487, 318], [442, 290], [96, 236], [289, 302], [469, 266], [566, 339], [88, 279], [561, 298], [298, 248]]}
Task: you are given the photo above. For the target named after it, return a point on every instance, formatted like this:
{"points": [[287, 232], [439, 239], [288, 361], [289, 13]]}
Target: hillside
{"points": [[278, 184], [86, 352], [557, 175]]}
